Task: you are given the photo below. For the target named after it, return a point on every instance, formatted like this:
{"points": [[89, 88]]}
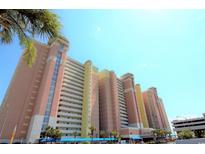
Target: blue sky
{"points": [[162, 48]]}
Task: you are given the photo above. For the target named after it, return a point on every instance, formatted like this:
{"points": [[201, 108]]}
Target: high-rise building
{"points": [[118, 105], [79, 103], [163, 115], [60, 92], [109, 103], [141, 106], [156, 115], [56, 91], [134, 117], [29, 101], [122, 104]]}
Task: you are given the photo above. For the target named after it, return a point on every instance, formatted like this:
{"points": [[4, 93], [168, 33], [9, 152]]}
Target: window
{"points": [[51, 92], [61, 48]]}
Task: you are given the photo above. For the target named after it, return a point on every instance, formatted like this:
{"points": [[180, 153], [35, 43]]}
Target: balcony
{"points": [[73, 78], [70, 131], [72, 91], [74, 74], [123, 118], [80, 98], [71, 66], [122, 106], [67, 109], [69, 114], [73, 87], [123, 112], [68, 100], [67, 82], [69, 104], [68, 125], [69, 120], [74, 64]]}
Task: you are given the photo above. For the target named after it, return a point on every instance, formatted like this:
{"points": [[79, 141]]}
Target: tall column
{"points": [[86, 113], [130, 98], [95, 101], [141, 106], [90, 111]]}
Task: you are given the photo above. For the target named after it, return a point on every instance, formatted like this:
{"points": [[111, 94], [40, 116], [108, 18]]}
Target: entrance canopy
{"points": [[135, 137]]}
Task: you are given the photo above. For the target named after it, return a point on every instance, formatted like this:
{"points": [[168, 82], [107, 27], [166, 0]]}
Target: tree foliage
{"points": [[27, 24], [92, 129], [51, 132], [114, 134], [185, 134], [75, 134], [103, 133]]}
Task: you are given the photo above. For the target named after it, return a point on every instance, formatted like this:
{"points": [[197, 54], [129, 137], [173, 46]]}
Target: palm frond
{"points": [[29, 55], [27, 24], [5, 36]]}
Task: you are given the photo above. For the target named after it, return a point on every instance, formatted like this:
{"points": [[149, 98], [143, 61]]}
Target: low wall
{"points": [[191, 141]]}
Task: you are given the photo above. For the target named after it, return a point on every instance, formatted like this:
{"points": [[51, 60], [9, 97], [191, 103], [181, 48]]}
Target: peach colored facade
{"points": [[156, 114], [27, 96], [78, 109], [118, 105], [95, 102], [108, 98], [163, 115], [134, 117], [65, 94]]}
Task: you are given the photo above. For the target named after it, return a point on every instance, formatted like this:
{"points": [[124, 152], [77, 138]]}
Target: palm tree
{"points": [[103, 133], [51, 132], [167, 133], [92, 129], [27, 24], [56, 134], [156, 133], [160, 134], [75, 134], [114, 133], [119, 137]]}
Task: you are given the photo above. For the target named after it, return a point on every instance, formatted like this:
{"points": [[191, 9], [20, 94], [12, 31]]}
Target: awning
{"points": [[135, 137], [76, 139], [85, 139]]}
